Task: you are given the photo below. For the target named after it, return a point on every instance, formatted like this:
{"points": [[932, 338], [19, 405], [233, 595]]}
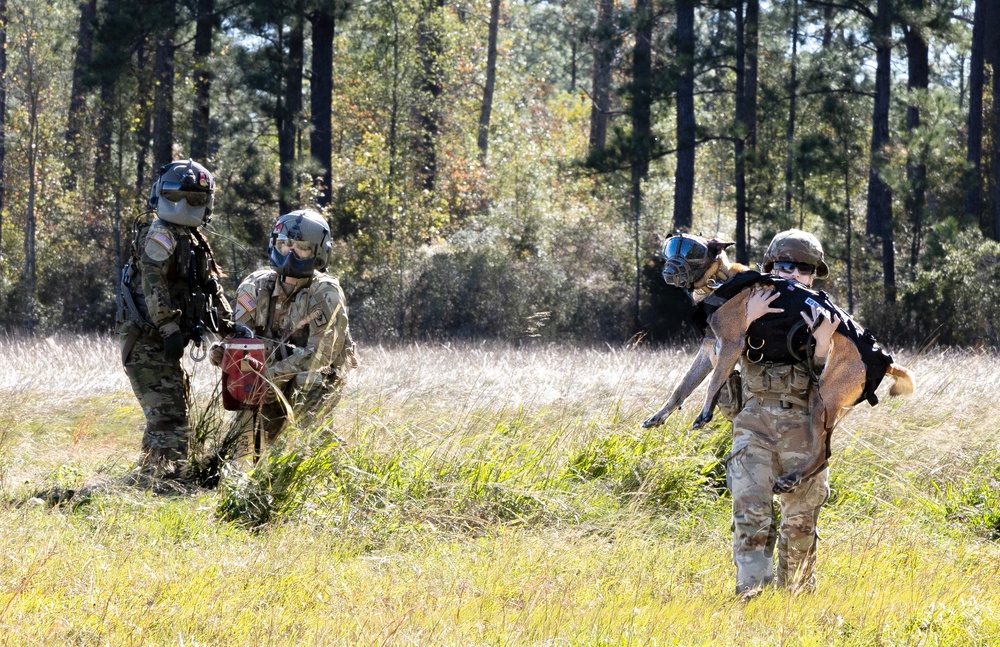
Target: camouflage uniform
{"points": [[166, 284], [309, 346], [770, 437]]}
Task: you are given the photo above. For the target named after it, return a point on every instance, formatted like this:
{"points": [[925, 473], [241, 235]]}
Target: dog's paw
{"points": [[655, 421], [701, 421], [787, 483]]}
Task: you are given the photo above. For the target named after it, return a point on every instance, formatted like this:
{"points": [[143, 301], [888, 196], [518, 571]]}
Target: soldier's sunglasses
{"points": [[805, 269]]}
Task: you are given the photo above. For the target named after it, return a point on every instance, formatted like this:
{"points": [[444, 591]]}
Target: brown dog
{"points": [[841, 383]]}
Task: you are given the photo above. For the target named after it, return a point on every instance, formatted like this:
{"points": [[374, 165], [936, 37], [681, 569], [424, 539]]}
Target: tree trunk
{"points": [[878, 224], [145, 131], [3, 114], [746, 117], [77, 96], [105, 133], [604, 54], [491, 76], [974, 123], [163, 95], [684, 174], [792, 96], [201, 118], [320, 103], [429, 50], [992, 55], [640, 112], [916, 169], [288, 126]]}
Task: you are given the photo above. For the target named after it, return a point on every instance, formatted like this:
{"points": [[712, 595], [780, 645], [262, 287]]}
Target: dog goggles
{"points": [[684, 247], [805, 269]]}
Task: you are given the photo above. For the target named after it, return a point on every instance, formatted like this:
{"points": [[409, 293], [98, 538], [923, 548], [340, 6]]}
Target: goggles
{"points": [[175, 192], [805, 269], [301, 248], [684, 247]]}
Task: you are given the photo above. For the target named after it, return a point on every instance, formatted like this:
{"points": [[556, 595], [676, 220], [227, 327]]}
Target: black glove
{"points": [[241, 330], [173, 346]]}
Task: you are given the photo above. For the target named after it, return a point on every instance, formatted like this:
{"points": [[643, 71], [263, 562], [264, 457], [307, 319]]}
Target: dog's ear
{"points": [[715, 246]]}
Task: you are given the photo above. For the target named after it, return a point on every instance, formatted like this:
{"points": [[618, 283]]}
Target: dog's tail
{"points": [[903, 383]]}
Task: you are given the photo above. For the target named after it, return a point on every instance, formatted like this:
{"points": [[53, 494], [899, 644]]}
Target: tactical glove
{"points": [[173, 346]]}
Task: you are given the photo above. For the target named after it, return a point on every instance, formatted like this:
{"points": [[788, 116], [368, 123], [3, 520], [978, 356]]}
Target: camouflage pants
{"points": [[162, 389], [307, 408], [769, 441]]}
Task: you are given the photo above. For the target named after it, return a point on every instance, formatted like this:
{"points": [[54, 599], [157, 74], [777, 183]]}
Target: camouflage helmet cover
{"points": [[796, 246]]}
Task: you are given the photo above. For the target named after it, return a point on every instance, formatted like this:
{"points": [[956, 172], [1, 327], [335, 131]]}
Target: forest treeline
{"points": [[509, 168]]}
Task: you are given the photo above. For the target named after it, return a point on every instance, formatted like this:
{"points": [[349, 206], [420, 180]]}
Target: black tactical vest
{"points": [[782, 338]]}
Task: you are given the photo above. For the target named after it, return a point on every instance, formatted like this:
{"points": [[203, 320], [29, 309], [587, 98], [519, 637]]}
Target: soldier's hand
{"points": [[173, 346]]}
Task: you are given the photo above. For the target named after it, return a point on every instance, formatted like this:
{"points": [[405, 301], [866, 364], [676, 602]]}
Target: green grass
{"points": [[482, 495]]}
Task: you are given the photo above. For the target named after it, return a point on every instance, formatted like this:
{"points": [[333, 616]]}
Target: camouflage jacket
{"points": [[178, 291], [306, 331]]}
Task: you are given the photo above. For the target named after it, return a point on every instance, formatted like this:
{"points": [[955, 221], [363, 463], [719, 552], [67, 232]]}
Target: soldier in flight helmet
{"points": [[170, 296], [300, 314]]}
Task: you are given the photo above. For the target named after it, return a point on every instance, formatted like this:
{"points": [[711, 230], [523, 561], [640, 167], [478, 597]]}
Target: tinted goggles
{"points": [[301, 248], [684, 247], [805, 269], [174, 192]]}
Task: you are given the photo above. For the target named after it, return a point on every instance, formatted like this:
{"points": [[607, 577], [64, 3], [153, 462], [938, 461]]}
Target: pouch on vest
{"points": [[243, 383]]}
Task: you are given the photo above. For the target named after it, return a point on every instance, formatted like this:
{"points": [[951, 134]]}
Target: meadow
{"points": [[485, 495]]}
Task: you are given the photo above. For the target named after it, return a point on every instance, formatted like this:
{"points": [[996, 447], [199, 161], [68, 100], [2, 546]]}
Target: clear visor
{"points": [[301, 248], [685, 247]]}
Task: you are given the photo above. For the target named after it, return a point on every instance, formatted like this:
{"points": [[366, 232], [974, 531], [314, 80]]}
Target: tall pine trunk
{"points": [[320, 103], [163, 94], [684, 174], [604, 54], [878, 223], [640, 113], [291, 109], [491, 76], [916, 169], [77, 96], [793, 90], [3, 114], [429, 87], [746, 118], [974, 123], [201, 117]]}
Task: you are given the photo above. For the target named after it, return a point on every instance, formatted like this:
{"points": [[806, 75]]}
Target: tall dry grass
{"points": [[491, 495]]}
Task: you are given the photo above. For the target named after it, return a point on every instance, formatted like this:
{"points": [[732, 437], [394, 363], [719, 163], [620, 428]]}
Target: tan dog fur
{"points": [[840, 384]]}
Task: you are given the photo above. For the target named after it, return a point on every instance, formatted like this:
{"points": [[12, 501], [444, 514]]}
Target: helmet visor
{"points": [[685, 247], [301, 248], [173, 192]]}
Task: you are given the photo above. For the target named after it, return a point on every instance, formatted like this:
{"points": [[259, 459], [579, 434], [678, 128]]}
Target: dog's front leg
{"points": [[696, 374], [729, 325]]}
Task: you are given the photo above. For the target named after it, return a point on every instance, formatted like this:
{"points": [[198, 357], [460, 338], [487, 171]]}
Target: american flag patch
{"points": [[163, 239], [247, 301]]}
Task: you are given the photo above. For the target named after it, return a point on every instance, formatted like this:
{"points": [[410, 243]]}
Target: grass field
{"points": [[486, 495]]}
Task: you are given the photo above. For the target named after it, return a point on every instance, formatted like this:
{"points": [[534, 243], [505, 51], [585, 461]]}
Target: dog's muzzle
{"points": [[680, 273]]}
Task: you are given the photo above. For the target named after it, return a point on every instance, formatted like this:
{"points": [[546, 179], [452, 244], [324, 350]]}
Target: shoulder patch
{"points": [[159, 246], [246, 300]]}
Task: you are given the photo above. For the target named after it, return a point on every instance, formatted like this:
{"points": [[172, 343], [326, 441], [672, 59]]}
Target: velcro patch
{"points": [[163, 239], [247, 301]]}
